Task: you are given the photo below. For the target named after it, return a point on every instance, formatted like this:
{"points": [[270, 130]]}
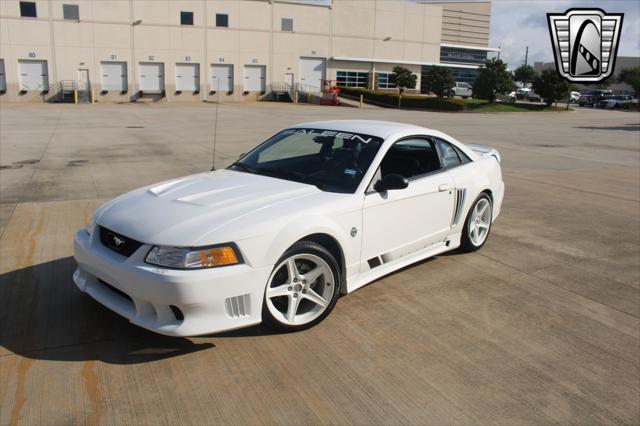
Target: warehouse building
{"points": [[193, 50]]}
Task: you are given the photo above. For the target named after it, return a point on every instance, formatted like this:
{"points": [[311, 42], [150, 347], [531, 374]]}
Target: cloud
{"points": [[518, 24]]}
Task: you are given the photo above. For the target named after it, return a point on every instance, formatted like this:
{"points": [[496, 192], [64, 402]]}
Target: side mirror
{"points": [[391, 181]]}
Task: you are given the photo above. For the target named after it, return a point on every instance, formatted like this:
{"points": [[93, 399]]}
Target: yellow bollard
{"points": [[75, 97], [361, 101], [93, 97]]}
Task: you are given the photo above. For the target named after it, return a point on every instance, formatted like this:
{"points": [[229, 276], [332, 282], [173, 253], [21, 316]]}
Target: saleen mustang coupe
{"points": [[317, 210]]}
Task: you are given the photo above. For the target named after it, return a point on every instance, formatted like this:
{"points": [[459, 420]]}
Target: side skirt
{"points": [[452, 242]]}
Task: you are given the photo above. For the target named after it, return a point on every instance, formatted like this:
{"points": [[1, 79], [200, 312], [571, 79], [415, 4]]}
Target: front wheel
{"points": [[478, 224], [302, 289]]}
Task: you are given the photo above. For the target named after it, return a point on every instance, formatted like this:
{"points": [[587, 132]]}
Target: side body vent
{"points": [[238, 306], [458, 204]]}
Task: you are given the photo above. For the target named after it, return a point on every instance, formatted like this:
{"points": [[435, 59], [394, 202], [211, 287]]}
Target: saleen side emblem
{"points": [[585, 43]]}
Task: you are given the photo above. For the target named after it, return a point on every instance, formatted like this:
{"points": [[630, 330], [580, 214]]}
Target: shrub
{"points": [[408, 101], [439, 80], [550, 86], [493, 79]]}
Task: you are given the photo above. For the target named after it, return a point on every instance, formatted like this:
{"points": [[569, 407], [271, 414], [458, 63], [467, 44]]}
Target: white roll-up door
{"points": [[312, 71], [114, 76], [33, 75], [188, 77], [254, 78], [151, 77], [3, 77], [221, 77]]}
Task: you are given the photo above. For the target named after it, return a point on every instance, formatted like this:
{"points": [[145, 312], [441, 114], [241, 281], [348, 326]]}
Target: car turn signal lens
{"points": [[217, 257]]}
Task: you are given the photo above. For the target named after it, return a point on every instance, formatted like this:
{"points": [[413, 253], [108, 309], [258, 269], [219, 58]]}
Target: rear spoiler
{"points": [[484, 151]]}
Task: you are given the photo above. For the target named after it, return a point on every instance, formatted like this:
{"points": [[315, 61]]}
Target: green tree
{"points": [[404, 78], [439, 80], [550, 86], [631, 76], [493, 79], [524, 74]]}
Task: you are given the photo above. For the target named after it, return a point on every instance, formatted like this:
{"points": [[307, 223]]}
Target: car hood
{"points": [[182, 211]]}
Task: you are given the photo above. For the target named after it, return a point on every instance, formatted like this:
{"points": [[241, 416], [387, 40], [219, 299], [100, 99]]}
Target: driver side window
{"points": [[410, 157]]}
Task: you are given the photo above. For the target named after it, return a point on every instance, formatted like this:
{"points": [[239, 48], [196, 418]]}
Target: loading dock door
{"points": [[3, 77], [151, 77], [33, 75], [312, 70], [254, 78], [114, 76], [221, 78], [188, 77]]}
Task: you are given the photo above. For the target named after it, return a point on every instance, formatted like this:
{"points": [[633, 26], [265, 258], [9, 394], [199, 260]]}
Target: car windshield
{"points": [[331, 160]]}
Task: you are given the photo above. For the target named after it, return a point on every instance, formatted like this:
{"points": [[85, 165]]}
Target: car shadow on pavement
{"points": [[629, 127], [44, 316]]}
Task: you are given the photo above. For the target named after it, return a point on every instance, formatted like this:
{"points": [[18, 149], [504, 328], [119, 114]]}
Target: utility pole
{"points": [[526, 56]]}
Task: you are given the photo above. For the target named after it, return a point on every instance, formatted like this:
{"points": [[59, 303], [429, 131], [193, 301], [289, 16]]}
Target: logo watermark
{"points": [[585, 43]]}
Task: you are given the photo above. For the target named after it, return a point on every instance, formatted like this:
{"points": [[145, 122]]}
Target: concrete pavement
{"points": [[541, 326]]}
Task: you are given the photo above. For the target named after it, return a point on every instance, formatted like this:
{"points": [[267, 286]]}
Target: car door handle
{"points": [[444, 187]]}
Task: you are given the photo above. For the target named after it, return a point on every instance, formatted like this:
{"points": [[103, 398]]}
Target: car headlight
{"points": [[90, 225], [193, 258]]}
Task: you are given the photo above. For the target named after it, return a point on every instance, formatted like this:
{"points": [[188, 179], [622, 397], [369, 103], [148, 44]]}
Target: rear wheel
{"points": [[478, 224], [302, 289]]}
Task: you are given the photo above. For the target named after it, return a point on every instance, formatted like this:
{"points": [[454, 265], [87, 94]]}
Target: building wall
{"points": [[369, 35], [466, 23]]}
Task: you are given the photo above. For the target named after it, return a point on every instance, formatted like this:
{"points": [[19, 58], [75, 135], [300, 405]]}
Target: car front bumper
{"points": [[168, 301]]}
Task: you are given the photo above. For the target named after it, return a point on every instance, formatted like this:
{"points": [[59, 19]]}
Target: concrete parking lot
{"points": [[542, 326]]}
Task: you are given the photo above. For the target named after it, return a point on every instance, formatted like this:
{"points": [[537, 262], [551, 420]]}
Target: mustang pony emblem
{"points": [[116, 241]]}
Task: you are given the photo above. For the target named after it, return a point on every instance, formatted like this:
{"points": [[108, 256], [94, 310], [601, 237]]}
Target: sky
{"points": [[518, 24]]}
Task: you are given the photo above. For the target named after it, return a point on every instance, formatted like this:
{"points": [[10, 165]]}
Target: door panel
{"points": [[114, 76], [254, 78], [222, 78], [33, 75], [312, 71], [188, 77], [400, 222], [151, 77]]}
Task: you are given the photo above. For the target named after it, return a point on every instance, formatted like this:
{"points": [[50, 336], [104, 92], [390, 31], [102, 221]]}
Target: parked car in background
{"points": [[533, 97], [524, 94], [615, 101], [574, 97], [461, 89], [593, 97]]}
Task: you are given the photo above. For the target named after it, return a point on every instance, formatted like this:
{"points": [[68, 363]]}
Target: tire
{"points": [[290, 302], [473, 235]]}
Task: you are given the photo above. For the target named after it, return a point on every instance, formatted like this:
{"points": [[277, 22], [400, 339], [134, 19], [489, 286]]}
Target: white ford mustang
{"points": [[317, 210]]}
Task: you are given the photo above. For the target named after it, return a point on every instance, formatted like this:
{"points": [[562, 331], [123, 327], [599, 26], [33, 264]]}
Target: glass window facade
{"points": [[352, 79], [460, 75], [386, 81], [462, 56]]}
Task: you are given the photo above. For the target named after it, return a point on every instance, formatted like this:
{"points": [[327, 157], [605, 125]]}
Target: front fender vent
{"points": [[458, 204], [238, 306]]}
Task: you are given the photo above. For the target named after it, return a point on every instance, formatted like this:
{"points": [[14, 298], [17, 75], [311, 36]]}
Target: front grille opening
{"points": [[117, 291], [177, 312], [119, 243]]}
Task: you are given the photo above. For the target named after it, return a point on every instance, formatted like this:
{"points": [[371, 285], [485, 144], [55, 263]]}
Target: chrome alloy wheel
{"points": [[480, 222], [300, 289]]}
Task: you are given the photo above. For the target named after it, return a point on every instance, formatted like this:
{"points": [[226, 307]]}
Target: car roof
{"points": [[382, 129]]}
